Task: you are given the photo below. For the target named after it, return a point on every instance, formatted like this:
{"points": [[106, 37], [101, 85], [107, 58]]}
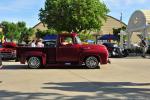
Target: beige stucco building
{"points": [[40, 26], [107, 27], [111, 23]]}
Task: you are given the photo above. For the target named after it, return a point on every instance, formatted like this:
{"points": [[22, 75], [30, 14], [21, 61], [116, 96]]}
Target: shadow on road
{"points": [[14, 67], [4, 95], [11, 67], [11, 64], [102, 90], [8, 60]]}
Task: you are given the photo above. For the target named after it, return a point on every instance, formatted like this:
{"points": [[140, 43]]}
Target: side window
{"points": [[51, 43], [66, 40]]}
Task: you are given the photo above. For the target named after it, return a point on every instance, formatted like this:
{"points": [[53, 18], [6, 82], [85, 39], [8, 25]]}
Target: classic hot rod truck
{"points": [[64, 48], [7, 51]]}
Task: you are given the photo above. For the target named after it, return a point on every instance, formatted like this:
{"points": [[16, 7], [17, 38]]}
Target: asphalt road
{"points": [[125, 78]]}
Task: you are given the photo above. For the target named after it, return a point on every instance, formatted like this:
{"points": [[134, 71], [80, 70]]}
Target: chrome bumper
{"points": [[7, 55]]}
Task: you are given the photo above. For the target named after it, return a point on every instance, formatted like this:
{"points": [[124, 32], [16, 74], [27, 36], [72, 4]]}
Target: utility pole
{"points": [[121, 20]]}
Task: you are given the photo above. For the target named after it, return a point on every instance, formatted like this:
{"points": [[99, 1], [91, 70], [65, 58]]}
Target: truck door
{"points": [[67, 51], [50, 49]]}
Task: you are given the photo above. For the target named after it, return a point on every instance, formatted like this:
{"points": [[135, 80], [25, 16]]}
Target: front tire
{"points": [[92, 62], [34, 62]]}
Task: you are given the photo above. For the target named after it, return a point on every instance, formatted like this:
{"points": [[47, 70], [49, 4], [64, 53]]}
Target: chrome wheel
{"points": [[92, 62], [34, 62]]}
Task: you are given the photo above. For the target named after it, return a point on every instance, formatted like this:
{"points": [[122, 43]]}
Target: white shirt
{"points": [[33, 44]]}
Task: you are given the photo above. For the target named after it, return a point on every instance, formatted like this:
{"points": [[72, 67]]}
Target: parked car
{"points": [[64, 49], [8, 50], [115, 50]]}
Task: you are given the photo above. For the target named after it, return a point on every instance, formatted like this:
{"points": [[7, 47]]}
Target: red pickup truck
{"points": [[63, 49]]}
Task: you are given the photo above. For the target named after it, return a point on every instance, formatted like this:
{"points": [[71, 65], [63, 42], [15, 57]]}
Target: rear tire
{"points": [[92, 62], [34, 62]]}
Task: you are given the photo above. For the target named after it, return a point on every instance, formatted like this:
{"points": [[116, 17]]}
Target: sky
{"points": [[28, 10], [126, 7], [21, 10]]}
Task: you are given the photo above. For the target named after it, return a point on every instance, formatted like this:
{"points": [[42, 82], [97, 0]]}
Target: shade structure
{"points": [[90, 41], [108, 37], [50, 37]]}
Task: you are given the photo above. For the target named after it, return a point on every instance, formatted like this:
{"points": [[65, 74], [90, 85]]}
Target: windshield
{"points": [[78, 41]]}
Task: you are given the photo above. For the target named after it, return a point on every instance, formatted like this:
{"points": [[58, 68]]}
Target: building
{"points": [[40, 26], [111, 23], [107, 27]]}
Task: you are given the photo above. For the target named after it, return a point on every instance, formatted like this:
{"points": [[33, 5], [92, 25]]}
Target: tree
{"points": [[116, 32], [86, 36], [41, 34], [26, 35], [10, 30], [16, 31], [1, 36], [73, 15]]}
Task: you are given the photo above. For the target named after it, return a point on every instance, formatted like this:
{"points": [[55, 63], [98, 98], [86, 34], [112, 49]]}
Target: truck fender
{"points": [[36, 54], [84, 56]]}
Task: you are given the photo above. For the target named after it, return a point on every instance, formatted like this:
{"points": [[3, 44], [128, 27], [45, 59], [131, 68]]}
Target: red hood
{"points": [[96, 49], [92, 46]]}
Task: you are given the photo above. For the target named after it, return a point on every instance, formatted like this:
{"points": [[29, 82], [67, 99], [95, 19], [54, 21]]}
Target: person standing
{"points": [[144, 47], [39, 43], [33, 43]]}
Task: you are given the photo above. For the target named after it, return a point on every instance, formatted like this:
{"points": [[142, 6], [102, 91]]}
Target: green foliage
{"points": [[26, 35], [41, 34], [86, 36], [1, 35], [16, 31], [73, 15], [116, 31], [10, 30]]}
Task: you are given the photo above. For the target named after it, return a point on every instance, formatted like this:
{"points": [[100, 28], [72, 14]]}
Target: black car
{"points": [[115, 51]]}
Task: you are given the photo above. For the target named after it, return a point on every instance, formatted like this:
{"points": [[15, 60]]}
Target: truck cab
{"points": [[64, 48]]}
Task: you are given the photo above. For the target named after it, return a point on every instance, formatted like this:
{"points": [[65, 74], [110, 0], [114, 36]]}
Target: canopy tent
{"points": [[108, 37], [90, 41], [50, 37]]}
